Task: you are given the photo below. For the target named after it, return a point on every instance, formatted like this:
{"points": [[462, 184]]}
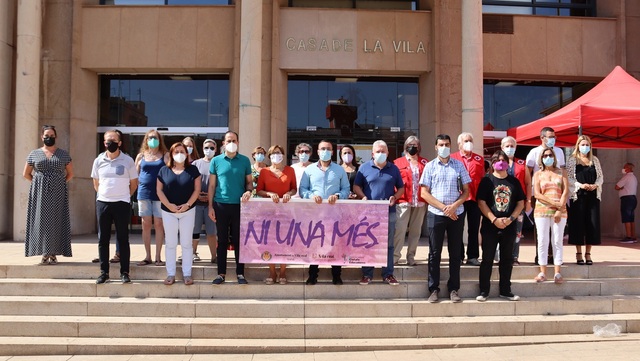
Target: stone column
{"points": [[472, 72], [250, 75], [29, 43]]}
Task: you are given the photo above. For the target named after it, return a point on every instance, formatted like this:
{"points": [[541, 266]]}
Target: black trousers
{"points": [[438, 225], [472, 212], [493, 236], [118, 213], [335, 271], [228, 224]]}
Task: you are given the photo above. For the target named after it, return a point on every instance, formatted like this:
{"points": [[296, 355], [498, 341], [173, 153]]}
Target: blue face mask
{"points": [[510, 151], [380, 157], [551, 142], [444, 152], [548, 161], [325, 155], [304, 157], [584, 149], [153, 143], [259, 157]]}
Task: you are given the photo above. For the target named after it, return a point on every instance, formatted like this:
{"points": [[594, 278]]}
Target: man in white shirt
{"points": [[627, 188], [115, 178]]}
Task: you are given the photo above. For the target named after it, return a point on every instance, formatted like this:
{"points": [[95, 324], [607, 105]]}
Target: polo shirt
{"points": [[114, 177], [231, 176], [379, 183], [317, 182], [442, 180]]}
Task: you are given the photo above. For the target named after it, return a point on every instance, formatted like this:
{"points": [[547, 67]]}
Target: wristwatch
{"points": [[512, 218]]}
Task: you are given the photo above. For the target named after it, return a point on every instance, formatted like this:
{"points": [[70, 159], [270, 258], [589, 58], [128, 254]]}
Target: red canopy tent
{"points": [[609, 114]]}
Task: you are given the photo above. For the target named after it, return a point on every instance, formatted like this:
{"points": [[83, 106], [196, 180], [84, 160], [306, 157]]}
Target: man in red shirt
{"points": [[474, 163]]}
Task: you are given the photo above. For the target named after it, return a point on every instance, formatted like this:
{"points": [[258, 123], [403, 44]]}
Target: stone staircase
{"points": [[60, 310]]}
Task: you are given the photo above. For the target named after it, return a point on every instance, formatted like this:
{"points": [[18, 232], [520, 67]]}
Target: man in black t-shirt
{"points": [[500, 199]]}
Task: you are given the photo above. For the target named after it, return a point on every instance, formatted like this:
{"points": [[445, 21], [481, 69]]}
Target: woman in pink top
{"points": [[551, 188], [277, 182]]}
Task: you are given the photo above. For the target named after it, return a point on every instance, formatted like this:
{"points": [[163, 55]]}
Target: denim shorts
{"points": [[148, 208], [202, 216]]}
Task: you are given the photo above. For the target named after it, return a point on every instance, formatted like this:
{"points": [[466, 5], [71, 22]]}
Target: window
{"points": [[167, 2], [541, 7], [357, 4]]}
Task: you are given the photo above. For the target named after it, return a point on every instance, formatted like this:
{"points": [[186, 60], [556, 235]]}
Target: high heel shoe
{"points": [[579, 259], [589, 260]]}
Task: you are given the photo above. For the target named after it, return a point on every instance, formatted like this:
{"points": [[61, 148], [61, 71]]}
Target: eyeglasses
{"points": [[304, 151], [210, 148], [548, 156]]}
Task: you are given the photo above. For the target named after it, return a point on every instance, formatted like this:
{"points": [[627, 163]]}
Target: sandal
{"points": [[160, 263], [188, 280], [170, 280], [589, 260], [268, 281], [540, 277], [144, 262], [45, 260], [579, 259], [283, 281], [53, 260], [115, 259], [557, 279]]}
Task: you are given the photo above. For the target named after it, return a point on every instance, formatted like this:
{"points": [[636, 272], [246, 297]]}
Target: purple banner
{"points": [[347, 233]]}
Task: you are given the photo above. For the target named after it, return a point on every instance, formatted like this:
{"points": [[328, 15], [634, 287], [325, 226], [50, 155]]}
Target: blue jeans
{"points": [[386, 271]]}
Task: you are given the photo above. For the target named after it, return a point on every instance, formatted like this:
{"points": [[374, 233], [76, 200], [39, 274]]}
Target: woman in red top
{"points": [[277, 182]]}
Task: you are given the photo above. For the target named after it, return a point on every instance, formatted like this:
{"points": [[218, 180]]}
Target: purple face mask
{"points": [[500, 165]]}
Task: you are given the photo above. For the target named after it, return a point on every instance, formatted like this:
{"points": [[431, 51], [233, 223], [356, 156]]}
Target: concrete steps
{"points": [[60, 310]]}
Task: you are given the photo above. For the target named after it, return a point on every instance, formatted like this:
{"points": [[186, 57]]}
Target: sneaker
{"points": [[510, 296], [196, 257], [483, 296], [628, 241], [218, 280], [242, 280], [365, 280], [433, 297], [391, 280], [125, 278], [473, 262], [104, 277], [454, 297]]}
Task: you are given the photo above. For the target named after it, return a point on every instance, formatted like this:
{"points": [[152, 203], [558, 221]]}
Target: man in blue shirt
{"points": [[324, 180], [379, 179], [445, 186], [229, 182]]}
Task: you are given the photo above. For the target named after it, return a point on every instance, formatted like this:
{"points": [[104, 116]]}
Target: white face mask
{"points": [[444, 152], [467, 146], [624, 171], [179, 157], [209, 153], [347, 158], [231, 147], [276, 158]]}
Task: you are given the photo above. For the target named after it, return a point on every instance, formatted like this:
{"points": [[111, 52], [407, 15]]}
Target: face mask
{"points": [[467, 146], [509, 152], [304, 157], [624, 171], [189, 150], [276, 158], [209, 153], [49, 141], [153, 143], [584, 149], [325, 155], [548, 161], [500, 165], [443, 152], [380, 157], [551, 142], [412, 150], [112, 147], [347, 158], [231, 147], [179, 157], [259, 157]]}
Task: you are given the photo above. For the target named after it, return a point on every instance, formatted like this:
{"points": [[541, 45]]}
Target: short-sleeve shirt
{"points": [[178, 188], [501, 195], [442, 180], [534, 156], [114, 177], [379, 183], [268, 181], [630, 184], [203, 167], [231, 175]]}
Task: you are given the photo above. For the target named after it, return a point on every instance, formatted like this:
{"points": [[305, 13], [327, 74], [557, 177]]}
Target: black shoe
{"points": [[312, 280], [104, 277], [337, 280], [125, 278]]}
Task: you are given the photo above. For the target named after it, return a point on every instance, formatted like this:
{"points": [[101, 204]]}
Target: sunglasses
{"points": [[210, 148], [548, 156], [305, 151]]}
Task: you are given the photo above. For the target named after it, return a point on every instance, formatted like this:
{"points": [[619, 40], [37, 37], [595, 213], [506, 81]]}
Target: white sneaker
{"points": [[510, 296], [482, 297]]}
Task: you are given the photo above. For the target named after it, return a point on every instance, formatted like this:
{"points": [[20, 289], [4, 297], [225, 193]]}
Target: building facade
{"points": [[290, 71]]}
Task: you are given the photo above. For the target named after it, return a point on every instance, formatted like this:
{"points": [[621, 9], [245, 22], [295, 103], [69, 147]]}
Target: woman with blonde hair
{"points": [[585, 190], [192, 150], [258, 165], [151, 158], [550, 214]]}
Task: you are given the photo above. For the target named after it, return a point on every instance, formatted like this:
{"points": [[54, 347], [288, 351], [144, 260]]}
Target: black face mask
{"points": [[412, 150], [49, 141], [112, 147]]}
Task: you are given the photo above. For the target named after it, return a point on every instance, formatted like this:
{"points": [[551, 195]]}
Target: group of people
{"points": [[178, 192]]}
